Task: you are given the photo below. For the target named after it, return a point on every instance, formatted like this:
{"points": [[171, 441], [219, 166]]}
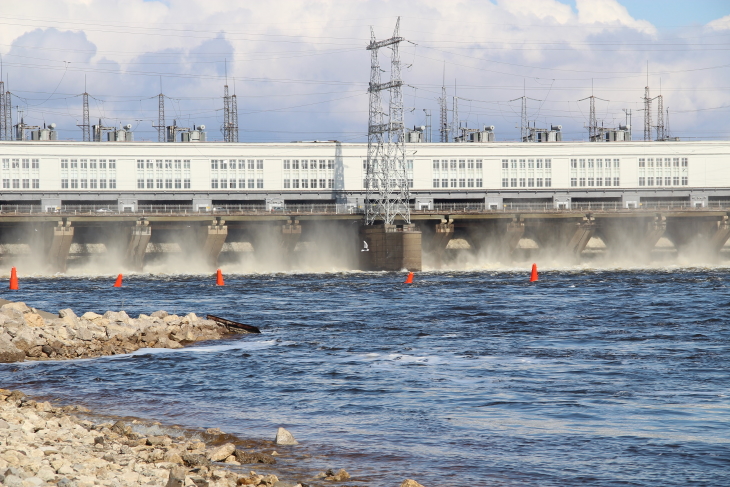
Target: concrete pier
{"points": [[213, 237], [436, 237], [291, 232], [391, 247], [139, 237], [61, 240]]}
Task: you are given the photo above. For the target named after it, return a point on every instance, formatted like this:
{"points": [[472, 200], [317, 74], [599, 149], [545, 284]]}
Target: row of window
{"points": [[591, 182], [232, 164], [18, 163], [445, 164], [309, 183], [666, 162], [24, 183], [163, 183], [527, 163], [88, 163], [88, 183], [409, 164], [458, 183], [668, 181], [593, 163], [163, 163], [226, 184], [527, 182], [309, 163], [392, 182]]}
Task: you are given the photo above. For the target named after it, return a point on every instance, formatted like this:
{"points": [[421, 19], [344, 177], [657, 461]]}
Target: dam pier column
{"points": [[139, 237], [391, 247], [61, 240], [632, 235], [213, 237], [291, 232], [498, 236]]}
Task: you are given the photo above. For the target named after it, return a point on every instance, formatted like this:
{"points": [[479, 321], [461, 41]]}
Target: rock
{"points": [[195, 460], [91, 316], [159, 314], [245, 457], [286, 483], [410, 483], [337, 477], [9, 352], [121, 428], [19, 307], [283, 437], [222, 452], [34, 320], [68, 316], [177, 477], [113, 316]]}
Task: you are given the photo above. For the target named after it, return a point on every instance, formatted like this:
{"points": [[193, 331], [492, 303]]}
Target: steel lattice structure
{"points": [[3, 130], [233, 119], [387, 191], [85, 124]]}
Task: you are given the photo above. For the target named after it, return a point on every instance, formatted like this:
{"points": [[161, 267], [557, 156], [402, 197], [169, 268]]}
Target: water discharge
{"points": [[591, 376]]}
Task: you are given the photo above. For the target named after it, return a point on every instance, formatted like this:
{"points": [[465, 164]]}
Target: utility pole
{"points": [[524, 123], [647, 107], [85, 125], [387, 173], [660, 133], [455, 116], [3, 129], [593, 130], [444, 111], [428, 135], [234, 118]]}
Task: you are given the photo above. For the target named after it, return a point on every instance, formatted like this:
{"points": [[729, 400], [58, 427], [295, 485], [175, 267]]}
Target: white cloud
{"points": [[300, 68], [722, 23]]}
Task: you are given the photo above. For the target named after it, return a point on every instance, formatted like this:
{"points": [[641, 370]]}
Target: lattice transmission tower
{"points": [[161, 129], [8, 115], [387, 192], [233, 119], [85, 124], [3, 129], [444, 112], [660, 131], [226, 114]]}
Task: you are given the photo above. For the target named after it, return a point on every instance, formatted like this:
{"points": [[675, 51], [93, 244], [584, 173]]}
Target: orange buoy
{"points": [[14, 279], [409, 279], [118, 282], [533, 276], [219, 278]]}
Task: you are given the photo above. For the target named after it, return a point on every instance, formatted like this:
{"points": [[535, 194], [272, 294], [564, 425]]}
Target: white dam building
{"points": [[129, 175]]}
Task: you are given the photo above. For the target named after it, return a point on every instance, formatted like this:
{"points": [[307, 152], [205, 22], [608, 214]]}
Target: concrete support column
{"points": [[291, 232], [512, 235], [583, 232], [139, 237], [699, 234], [213, 237], [63, 235], [437, 237], [721, 234], [391, 247]]}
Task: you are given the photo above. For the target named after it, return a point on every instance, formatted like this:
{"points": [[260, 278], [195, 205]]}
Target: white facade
{"points": [[78, 171]]}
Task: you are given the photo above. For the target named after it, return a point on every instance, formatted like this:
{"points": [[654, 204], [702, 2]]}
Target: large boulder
{"points": [[34, 320], [8, 351], [283, 437], [27, 339], [68, 317], [410, 483], [113, 316], [222, 452]]}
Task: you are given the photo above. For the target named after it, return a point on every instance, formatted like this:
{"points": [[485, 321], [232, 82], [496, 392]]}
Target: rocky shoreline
{"points": [[29, 334]]}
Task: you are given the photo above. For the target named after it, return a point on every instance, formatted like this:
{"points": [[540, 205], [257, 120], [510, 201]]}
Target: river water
{"points": [[587, 377]]}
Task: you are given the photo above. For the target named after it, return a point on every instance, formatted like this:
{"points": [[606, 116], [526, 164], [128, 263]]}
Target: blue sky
{"points": [[674, 13]]}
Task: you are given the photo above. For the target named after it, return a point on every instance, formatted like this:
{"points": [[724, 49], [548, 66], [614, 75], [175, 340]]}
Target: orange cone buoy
{"points": [[13, 279], [219, 278], [533, 276], [118, 282], [409, 279]]}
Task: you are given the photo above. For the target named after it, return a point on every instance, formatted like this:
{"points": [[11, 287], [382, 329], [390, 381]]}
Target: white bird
{"points": [[365, 246]]}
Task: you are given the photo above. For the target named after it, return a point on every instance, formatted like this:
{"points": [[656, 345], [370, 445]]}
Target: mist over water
{"points": [[588, 377]]}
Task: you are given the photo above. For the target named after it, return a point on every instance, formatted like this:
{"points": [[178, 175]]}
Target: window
{"points": [[35, 163], [435, 183], [675, 181], [294, 164], [599, 181], [591, 164], [178, 183], [479, 182], [531, 182], [186, 183], [505, 164], [453, 182], [150, 184], [599, 163], [64, 163], [642, 181], [102, 164], [102, 184], [74, 183], [330, 163], [470, 183], [331, 183], [294, 183], [650, 162], [574, 163], [168, 183], [159, 183], [658, 162], [140, 164], [522, 182], [650, 181], [214, 164], [573, 182], [548, 163], [84, 184], [685, 182], [539, 182], [582, 163], [186, 164], [214, 183], [224, 184], [642, 162], [444, 164], [26, 163], [462, 183], [241, 184], [178, 164], [92, 183], [667, 181], [260, 183], [305, 164], [531, 163], [140, 184], [462, 164], [287, 164], [513, 182], [675, 162], [305, 183], [64, 183], [84, 164], [444, 183], [452, 164], [479, 163], [112, 163], [322, 164], [74, 163], [168, 164], [92, 164], [158, 163], [505, 182], [548, 182], [615, 163], [287, 183], [313, 183], [581, 182], [150, 164], [322, 183], [113, 184], [251, 184], [522, 163], [16, 183], [684, 162], [26, 183], [224, 164], [591, 182], [260, 165], [6, 163]]}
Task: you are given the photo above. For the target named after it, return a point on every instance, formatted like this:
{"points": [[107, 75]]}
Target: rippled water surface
{"points": [[584, 378]]}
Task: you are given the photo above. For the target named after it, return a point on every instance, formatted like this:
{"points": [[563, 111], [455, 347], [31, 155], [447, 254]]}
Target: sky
{"points": [[300, 69]]}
